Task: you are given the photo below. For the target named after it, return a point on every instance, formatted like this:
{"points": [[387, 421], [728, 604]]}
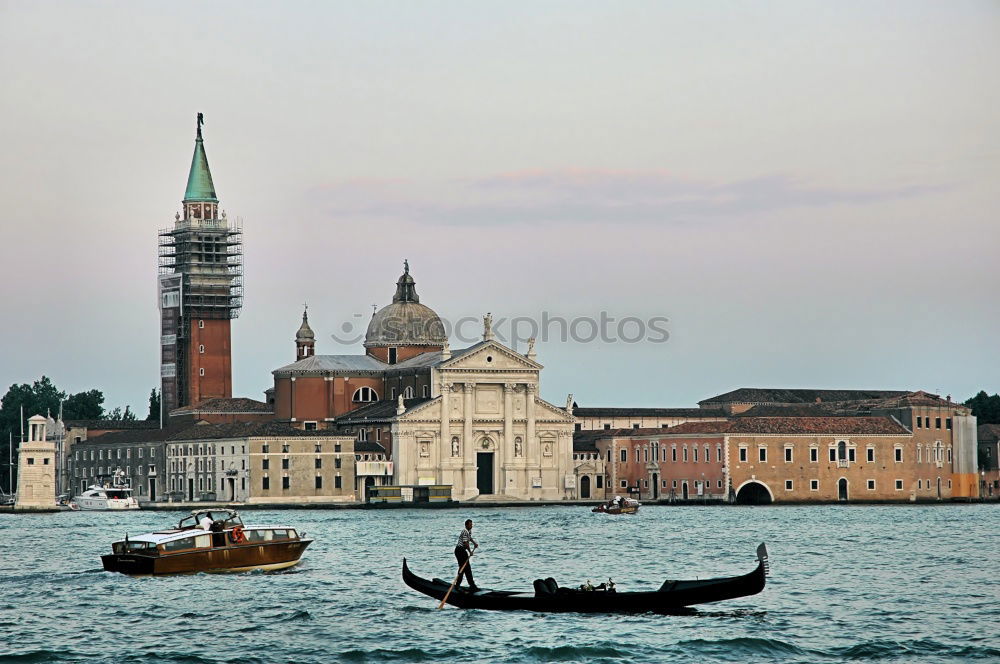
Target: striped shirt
{"points": [[465, 538]]}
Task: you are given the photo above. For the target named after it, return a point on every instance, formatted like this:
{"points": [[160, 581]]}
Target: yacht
{"points": [[104, 497], [209, 540]]}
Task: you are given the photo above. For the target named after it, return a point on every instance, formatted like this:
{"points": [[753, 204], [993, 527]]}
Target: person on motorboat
{"points": [[463, 551], [206, 522]]}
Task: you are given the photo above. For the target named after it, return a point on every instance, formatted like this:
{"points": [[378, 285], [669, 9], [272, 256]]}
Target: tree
{"points": [[87, 405], [154, 405], [128, 415], [986, 408]]}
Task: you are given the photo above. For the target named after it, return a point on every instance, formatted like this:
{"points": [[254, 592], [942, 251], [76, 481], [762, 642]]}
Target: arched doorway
{"points": [[684, 490], [585, 486], [842, 489], [753, 493]]}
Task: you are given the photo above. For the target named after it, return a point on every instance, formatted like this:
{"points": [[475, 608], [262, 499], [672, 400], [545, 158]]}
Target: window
{"points": [[871, 485], [336, 462], [31, 461], [833, 454], [284, 448], [285, 483], [366, 395], [871, 455], [899, 455], [378, 435], [949, 454], [317, 448], [201, 348], [920, 422], [788, 485], [201, 371], [920, 484], [788, 455], [624, 456], [319, 481], [718, 453], [899, 485], [309, 426], [599, 481], [851, 455], [337, 482], [336, 447], [265, 483], [265, 464], [743, 455], [201, 325], [673, 453], [814, 485], [814, 454], [425, 391], [694, 452], [284, 464], [392, 356], [319, 464], [624, 484], [265, 448], [363, 435], [607, 427], [947, 423], [645, 483], [685, 454], [762, 453], [128, 453], [408, 392]]}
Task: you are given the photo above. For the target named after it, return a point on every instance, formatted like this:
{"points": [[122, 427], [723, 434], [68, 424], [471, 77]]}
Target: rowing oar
{"points": [[453, 583]]}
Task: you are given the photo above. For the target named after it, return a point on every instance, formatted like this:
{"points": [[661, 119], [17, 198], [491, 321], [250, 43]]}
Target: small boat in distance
{"points": [[618, 505], [226, 546], [549, 597]]}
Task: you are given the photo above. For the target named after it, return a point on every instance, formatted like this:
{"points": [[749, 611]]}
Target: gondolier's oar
{"points": [[453, 583]]}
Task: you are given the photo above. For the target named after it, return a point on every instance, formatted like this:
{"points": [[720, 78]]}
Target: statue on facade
{"points": [[518, 447], [487, 326], [455, 450]]}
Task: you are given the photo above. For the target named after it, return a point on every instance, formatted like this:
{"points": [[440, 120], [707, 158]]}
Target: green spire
{"points": [[200, 187]]}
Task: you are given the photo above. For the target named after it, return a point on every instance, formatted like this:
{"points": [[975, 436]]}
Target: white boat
{"points": [[105, 497]]}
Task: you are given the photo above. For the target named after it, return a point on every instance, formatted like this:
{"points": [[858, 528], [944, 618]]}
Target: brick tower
{"points": [[201, 291]]}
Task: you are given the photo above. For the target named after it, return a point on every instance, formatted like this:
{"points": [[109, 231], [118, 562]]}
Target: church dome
{"points": [[405, 322], [305, 332]]}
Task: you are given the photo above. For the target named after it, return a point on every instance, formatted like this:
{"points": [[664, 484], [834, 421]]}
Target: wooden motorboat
{"points": [[618, 506], [549, 597], [226, 546]]}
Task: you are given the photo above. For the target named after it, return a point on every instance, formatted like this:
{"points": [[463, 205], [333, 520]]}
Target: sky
{"points": [[805, 191]]}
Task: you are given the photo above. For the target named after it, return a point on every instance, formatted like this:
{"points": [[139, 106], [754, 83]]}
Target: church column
{"points": [[467, 430], [508, 418], [529, 410], [445, 445]]}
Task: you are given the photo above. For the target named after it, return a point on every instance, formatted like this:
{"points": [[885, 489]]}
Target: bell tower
{"points": [[305, 338], [201, 291]]}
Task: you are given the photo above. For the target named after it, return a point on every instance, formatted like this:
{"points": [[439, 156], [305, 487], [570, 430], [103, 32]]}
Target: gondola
{"points": [[550, 598]]}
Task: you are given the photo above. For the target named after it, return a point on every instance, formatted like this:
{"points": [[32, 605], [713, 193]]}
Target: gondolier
{"points": [[463, 550]]}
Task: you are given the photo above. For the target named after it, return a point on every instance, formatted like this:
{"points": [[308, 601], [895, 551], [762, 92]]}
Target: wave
{"points": [[883, 649], [730, 648], [575, 653], [403, 655]]}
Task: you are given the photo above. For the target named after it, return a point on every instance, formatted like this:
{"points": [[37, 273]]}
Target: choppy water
{"points": [[850, 583]]}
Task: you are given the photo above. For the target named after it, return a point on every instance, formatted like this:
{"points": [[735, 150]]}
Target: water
{"points": [[850, 583]]}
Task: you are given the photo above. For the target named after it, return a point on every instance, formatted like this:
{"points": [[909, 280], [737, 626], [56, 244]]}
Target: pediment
{"points": [[490, 356]]}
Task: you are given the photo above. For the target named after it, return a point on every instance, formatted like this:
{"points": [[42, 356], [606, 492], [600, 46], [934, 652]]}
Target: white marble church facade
{"points": [[485, 431]]}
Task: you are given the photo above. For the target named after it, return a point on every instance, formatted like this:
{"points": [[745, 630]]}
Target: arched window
{"points": [[364, 395], [708, 455], [841, 451], [362, 435], [408, 392]]}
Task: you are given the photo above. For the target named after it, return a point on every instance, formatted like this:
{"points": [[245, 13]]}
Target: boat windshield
{"points": [[228, 519], [132, 546], [117, 493]]}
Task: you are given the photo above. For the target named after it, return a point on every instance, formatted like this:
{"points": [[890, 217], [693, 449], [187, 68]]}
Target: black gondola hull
{"points": [[673, 597]]}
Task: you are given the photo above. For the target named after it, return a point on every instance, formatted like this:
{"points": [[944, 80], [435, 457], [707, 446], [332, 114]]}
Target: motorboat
{"points": [[548, 596], [618, 505], [210, 540], [105, 497]]}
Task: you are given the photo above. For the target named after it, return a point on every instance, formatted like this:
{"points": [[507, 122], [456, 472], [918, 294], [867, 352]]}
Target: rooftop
{"points": [[220, 405], [617, 411], [767, 395]]}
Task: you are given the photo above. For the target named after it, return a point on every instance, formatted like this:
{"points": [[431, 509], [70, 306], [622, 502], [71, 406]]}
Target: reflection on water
{"points": [[889, 583]]}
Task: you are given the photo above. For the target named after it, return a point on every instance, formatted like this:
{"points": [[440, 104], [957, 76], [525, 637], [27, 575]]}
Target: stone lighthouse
{"points": [[36, 470]]}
